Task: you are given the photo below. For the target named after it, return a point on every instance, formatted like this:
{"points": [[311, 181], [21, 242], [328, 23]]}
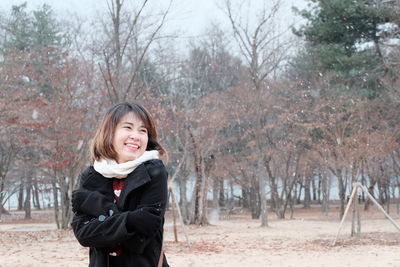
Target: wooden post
{"points": [[355, 186], [180, 216], [171, 191], [345, 213], [174, 219], [379, 207]]}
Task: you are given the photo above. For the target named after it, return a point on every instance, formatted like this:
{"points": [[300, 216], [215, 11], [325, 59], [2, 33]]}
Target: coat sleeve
{"points": [[94, 225], [102, 231], [93, 203], [154, 193]]}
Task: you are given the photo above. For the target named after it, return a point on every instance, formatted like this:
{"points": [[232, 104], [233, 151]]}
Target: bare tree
{"points": [[7, 155], [124, 45], [261, 47]]}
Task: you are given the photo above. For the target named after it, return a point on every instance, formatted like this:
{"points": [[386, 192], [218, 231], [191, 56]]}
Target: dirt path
{"points": [[236, 242]]}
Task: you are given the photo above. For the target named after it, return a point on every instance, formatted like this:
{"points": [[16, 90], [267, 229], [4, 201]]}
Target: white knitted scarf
{"points": [[111, 169]]}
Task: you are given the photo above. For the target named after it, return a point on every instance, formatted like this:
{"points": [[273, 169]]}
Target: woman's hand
{"points": [[92, 203], [145, 221]]}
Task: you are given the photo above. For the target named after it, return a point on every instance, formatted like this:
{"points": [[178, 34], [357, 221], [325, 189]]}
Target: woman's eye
{"points": [[143, 130], [128, 127]]}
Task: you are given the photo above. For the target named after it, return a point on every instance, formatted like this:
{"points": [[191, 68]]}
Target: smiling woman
{"points": [[128, 121], [120, 205]]}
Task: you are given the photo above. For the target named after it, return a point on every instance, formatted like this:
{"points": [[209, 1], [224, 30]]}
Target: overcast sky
{"points": [[189, 16]]}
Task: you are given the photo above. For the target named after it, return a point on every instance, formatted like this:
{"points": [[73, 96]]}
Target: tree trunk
{"points": [[371, 191], [55, 199], [276, 202], [325, 193], [2, 209], [387, 194], [215, 193], [342, 193], [36, 201], [319, 192], [245, 195], [314, 189], [289, 196], [221, 199], [355, 223], [307, 193], [207, 166], [183, 196], [263, 196], [197, 198], [363, 180], [254, 192], [6, 159], [381, 190], [298, 197], [398, 199], [66, 213], [2, 199], [27, 204], [198, 217], [291, 204], [203, 196], [21, 194]]}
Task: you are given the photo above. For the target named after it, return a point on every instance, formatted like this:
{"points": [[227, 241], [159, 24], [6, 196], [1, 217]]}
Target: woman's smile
{"points": [[133, 147]]}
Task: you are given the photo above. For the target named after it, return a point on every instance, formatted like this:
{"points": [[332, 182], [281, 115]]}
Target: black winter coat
{"points": [[146, 185]]}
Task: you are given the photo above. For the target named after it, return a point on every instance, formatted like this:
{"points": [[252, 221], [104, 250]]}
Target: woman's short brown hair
{"points": [[102, 143]]}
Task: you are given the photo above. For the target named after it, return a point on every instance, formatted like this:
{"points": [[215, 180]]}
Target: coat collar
{"points": [[135, 179]]}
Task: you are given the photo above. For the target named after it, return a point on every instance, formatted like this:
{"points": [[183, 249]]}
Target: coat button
{"points": [[102, 218], [110, 213]]}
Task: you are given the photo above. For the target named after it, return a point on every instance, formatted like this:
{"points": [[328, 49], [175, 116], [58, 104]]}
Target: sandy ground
{"points": [[237, 241]]}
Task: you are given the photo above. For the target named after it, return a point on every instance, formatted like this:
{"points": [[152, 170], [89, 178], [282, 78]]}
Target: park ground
{"points": [[237, 240]]}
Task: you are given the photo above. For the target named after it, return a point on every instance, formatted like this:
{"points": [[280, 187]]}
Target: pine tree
{"points": [[345, 36]]}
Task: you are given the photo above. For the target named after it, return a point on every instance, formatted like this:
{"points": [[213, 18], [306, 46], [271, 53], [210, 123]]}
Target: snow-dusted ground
{"points": [[235, 241]]}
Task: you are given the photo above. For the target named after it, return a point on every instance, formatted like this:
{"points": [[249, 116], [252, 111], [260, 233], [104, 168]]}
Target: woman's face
{"points": [[130, 138]]}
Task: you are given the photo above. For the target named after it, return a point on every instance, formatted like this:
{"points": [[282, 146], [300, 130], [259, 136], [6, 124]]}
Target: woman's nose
{"points": [[134, 135]]}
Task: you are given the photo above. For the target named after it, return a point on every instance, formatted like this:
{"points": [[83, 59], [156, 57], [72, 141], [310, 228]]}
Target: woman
{"points": [[119, 207]]}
